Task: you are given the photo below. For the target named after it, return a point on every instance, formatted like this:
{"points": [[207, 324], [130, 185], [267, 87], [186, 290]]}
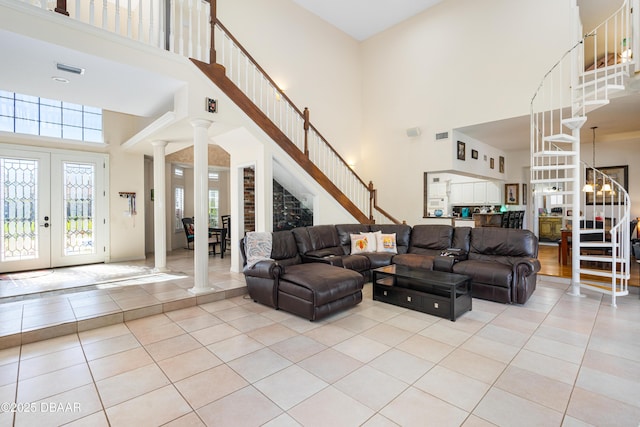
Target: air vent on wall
{"points": [[69, 68], [442, 135]]}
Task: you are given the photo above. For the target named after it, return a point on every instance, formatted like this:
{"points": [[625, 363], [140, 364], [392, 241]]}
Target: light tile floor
{"points": [[556, 361], [50, 303]]}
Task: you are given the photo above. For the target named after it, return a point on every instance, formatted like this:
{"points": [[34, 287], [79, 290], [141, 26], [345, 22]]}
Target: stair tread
{"points": [[560, 137], [551, 153], [553, 167], [574, 122]]}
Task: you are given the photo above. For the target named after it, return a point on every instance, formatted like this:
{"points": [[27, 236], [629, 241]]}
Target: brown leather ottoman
{"points": [[316, 290]]}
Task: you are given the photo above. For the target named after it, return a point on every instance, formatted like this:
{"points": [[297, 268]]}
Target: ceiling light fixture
{"points": [[70, 68]]}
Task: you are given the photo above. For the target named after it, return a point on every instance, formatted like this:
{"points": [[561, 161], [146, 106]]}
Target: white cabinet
{"points": [[467, 192], [455, 195], [479, 192], [475, 193], [494, 193], [438, 189]]}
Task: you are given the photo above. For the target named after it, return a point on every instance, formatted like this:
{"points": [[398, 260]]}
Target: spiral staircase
{"points": [[587, 77]]}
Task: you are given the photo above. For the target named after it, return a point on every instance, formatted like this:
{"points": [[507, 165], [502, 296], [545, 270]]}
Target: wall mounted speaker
{"points": [[413, 132]]}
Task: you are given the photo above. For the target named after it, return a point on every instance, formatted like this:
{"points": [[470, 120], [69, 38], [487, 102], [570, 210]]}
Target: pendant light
{"points": [[589, 187]]}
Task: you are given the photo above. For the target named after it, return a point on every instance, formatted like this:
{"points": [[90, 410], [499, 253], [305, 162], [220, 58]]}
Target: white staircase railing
{"points": [[182, 27], [586, 77]]}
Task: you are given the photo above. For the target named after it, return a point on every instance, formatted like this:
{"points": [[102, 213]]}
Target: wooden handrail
{"points": [[374, 205], [282, 94]]}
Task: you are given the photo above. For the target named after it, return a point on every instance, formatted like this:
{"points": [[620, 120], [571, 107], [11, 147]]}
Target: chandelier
{"points": [[593, 186]]}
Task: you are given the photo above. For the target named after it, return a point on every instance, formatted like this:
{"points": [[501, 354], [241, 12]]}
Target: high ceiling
{"points": [[362, 19]]}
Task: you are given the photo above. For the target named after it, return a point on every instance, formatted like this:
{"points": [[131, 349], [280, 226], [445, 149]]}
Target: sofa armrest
{"points": [[525, 267], [524, 279], [334, 260], [264, 269]]}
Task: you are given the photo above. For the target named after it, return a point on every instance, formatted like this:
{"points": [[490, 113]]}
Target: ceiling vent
{"points": [[442, 135], [70, 68]]}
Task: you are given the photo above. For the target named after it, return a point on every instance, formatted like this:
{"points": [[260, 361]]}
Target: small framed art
{"points": [[474, 154], [462, 150], [511, 194]]}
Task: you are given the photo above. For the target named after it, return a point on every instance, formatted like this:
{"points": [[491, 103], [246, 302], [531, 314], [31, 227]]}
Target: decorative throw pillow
{"points": [[386, 243], [359, 243], [371, 237]]}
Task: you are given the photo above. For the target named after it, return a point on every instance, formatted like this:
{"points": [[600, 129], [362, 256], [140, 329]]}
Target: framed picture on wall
{"points": [[525, 196], [462, 150], [619, 174], [501, 164], [511, 194], [492, 163], [474, 154]]}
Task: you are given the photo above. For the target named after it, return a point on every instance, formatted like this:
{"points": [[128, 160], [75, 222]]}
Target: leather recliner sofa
{"points": [[313, 272]]}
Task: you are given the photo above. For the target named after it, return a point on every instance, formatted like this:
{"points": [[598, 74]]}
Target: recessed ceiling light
{"points": [[69, 68], [59, 79]]}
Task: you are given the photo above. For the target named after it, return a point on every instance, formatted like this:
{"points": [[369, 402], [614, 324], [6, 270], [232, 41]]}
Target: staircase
{"points": [[216, 52], [599, 215]]}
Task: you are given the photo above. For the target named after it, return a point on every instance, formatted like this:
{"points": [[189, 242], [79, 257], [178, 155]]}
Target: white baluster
{"points": [[181, 28], [129, 19], [151, 23], [140, 26], [105, 15], [190, 6], [199, 33], [172, 26], [117, 26], [92, 11], [77, 12]]}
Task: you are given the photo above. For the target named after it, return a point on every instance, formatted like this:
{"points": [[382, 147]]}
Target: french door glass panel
{"points": [[24, 193], [79, 204], [54, 209]]}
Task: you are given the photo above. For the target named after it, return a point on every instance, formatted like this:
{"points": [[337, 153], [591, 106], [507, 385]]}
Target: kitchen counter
{"points": [[450, 220], [493, 219]]}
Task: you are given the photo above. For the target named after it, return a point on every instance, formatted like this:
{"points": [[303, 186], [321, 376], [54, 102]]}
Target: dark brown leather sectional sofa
{"points": [[312, 272]]}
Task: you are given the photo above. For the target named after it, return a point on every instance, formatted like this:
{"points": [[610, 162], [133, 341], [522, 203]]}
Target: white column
{"points": [[575, 217], [159, 206], [200, 205]]}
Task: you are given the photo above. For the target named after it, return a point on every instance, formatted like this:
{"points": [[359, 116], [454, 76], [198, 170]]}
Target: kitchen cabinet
{"points": [[479, 193], [549, 228], [475, 193], [455, 195], [467, 192], [494, 193]]}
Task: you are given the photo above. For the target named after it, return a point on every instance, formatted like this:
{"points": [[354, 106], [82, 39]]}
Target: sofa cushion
{"points": [[490, 272], [320, 283], [284, 248], [358, 262], [378, 259], [430, 239], [489, 243], [415, 260], [323, 236]]}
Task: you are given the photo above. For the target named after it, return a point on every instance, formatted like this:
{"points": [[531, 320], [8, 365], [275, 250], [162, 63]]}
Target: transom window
{"points": [[32, 115]]}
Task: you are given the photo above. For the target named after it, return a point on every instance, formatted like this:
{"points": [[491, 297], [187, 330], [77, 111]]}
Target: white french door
{"points": [[54, 208]]}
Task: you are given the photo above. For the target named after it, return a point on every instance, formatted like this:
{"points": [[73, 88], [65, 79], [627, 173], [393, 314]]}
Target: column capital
{"points": [[159, 143], [201, 123]]}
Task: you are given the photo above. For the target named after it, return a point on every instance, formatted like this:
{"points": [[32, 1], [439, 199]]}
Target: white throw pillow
{"points": [[386, 243], [360, 243]]}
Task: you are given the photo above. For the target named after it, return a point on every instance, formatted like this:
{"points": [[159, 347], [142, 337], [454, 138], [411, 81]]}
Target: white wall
{"points": [[317, 65], [127, 233], [459, 63]]}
